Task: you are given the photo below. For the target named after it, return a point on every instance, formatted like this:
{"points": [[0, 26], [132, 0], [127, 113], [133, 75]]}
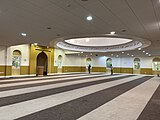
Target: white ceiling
{"points": [[140, 18]]}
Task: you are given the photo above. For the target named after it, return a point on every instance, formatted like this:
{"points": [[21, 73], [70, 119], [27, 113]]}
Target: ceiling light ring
{"points": [[134, 44]]}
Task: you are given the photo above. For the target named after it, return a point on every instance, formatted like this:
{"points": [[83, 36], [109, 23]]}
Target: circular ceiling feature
{"points": [[100, 43], [97, 41]]}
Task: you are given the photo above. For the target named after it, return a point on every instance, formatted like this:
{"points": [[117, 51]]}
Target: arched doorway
{"points": [[156, 65], [42, 64], [60, 58], [88, 62], [136, 66], [108, 65], [16, 62]]}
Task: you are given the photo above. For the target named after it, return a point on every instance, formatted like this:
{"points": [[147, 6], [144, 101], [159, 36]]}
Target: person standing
{"points": [[89, 68], [111, 69]]}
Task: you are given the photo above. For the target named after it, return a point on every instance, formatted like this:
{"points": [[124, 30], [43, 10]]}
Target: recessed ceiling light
{"points": [[144, 51], [122, 52], [117, 55], [49, 28], [123, 30], [132, 55], [24, 34], [112, 33], [147, 53], [81, 52], [35, 43], [89, 18], [128, 54], [139, 48]]}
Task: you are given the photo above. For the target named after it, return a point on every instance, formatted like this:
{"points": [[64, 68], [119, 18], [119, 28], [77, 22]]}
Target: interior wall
{"points": [[24, 49], [120, 64], [3, 60]]}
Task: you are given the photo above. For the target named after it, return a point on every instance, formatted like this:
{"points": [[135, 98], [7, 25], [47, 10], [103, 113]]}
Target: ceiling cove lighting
{"points": [[24, 34], [89, 18]]}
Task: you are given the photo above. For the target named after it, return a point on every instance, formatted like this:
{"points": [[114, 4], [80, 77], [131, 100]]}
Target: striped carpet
{"points": [[80, 96]]}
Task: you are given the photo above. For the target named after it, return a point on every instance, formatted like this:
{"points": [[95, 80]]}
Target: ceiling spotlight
{"points": [[128, 54], [139, 48], [147, 53], [122, 52], [24, 34], [81, 52], [132, 55], [144, 51], [49, 28], [35, 44], [123, 30], [89, 18], [112, 33]]}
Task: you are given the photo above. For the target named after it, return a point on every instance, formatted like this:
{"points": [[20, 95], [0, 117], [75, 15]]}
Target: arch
{"points": [[60, 60], [156, 64], [16, 62], [88, 62], [108, 62], [42, 64], [16, 52], [136, 65]]}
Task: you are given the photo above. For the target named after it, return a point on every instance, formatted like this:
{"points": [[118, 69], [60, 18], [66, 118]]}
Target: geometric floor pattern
{"points": [[81, 96]]}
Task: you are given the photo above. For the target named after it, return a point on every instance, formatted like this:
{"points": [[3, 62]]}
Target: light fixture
{"points": [[24, 34], [147, 53], [139, 48], [89, 18], [111, 54], [90, 53], [132, 55], [35, 44], [112, 33], [122, 52], [81, 52], [117, 55], [144, 51], [128, 54]]}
